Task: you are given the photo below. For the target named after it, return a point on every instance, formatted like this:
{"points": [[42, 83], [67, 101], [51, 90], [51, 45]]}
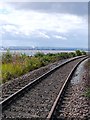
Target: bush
{"points": [[33, 63], [39, 54], [78, 52], [46, 59], [50, 54], [83, 53], [72, 54], [64, 55], [7, 57]]}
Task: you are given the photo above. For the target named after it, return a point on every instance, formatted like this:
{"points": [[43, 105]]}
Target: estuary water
{"points": [[33, 52]]}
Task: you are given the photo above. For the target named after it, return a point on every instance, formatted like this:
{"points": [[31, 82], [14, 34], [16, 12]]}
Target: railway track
{"points": [[70, 100], [36, 98]]}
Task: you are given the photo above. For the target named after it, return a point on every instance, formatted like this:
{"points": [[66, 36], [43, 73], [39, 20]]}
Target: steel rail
{"points": [[9, 100], [58, 100]]}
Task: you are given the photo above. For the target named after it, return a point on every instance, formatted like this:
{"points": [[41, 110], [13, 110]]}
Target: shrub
{"points": [[78, 52], [64, 55], [50, 54], [32, 63], [72, 54], [39, 54], [46, 59], [7, 57], [83, 53]]}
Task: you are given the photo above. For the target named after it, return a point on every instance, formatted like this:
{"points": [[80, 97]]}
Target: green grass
{"points": [[15, 65], [87, 94]]}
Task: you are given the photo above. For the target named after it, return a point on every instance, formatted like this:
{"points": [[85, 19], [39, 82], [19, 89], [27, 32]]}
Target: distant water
{"points": [[33, 52]]}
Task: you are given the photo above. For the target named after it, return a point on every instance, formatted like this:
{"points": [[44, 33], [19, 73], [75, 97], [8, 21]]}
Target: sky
{"points": [[47, 24]]}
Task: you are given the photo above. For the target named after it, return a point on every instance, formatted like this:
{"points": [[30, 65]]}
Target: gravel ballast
{"points": [[75, 105], [38, 101]]}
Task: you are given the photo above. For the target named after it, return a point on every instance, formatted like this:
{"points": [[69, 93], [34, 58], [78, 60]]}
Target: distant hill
{"points": [[41, 48]]}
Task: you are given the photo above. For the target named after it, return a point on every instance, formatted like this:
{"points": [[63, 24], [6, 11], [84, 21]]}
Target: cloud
{"points": [[28, 22], [60, 37], [41, 34], [35, 22], [10, 28], [54, 7]]}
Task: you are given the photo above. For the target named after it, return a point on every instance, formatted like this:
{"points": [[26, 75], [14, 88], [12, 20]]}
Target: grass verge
{"points": [[15, 65]]}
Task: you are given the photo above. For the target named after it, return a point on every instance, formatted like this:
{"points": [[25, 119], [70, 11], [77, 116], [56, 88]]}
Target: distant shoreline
{"points": [[40, 48], [33, 52]]}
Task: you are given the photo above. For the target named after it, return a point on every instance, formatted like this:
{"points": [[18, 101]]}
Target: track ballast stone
{"points": [[75, 105]]}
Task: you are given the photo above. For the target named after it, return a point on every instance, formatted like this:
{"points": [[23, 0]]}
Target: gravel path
{"points": [[14, 85], [39, 100], [75, 105]]}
